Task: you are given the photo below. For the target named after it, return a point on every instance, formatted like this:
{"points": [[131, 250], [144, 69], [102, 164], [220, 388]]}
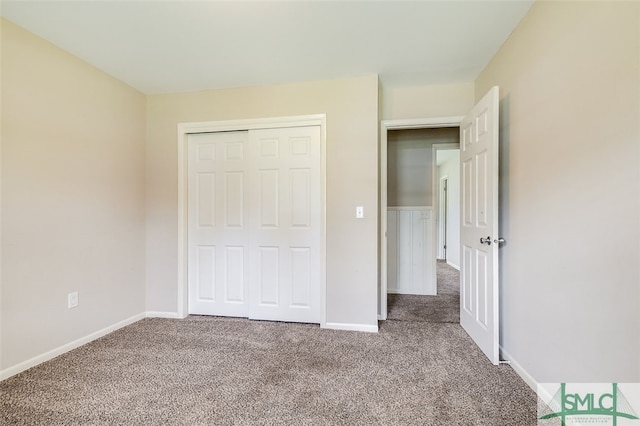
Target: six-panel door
{"points": [[254, 224], [285, 224], [479, 225]]}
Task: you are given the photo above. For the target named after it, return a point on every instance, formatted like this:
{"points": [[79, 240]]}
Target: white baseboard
{"points": [[351, 327], [453, 265], [409, 292], [524, 375], [39, 359], [158, 314]]}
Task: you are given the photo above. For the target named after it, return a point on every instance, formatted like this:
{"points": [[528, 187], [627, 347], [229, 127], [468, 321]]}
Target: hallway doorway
{"points": [[441, 308]]}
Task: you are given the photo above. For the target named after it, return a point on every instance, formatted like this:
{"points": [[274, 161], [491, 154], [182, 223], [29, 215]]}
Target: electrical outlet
{"points": [[72, 299]]}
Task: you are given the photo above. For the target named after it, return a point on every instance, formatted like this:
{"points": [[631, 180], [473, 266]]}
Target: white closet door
{"points": [[218, 218], [285, 224]]}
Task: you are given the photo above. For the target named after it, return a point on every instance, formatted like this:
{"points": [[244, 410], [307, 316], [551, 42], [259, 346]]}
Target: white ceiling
{"points": [[173, 46]]}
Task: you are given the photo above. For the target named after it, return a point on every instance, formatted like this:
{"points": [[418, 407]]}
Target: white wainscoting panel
{"points": [[410, 255]]}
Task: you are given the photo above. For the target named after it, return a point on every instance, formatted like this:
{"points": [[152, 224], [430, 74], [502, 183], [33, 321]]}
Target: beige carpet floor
{"points": [[230, 371]]}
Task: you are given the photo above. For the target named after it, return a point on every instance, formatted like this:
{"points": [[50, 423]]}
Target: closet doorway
{"points": [[252, 219]]}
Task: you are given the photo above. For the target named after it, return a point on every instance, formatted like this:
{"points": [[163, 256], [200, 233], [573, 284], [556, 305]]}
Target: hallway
{"points": [[443, 308]]}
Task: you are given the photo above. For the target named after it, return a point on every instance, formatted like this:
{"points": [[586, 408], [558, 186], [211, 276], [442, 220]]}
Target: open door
{"points": [[479, 225]]}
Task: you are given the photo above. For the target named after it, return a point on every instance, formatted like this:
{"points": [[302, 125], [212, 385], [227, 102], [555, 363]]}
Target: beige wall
{"points": [[409, 171], [72, 198], [74, 189], [351, 106], [407, 102], [409, 164], [570, 99]]}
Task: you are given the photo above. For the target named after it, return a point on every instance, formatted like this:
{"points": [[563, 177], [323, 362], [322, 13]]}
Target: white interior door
{"points": [[479, 224], [285, 223], [218, 236]]}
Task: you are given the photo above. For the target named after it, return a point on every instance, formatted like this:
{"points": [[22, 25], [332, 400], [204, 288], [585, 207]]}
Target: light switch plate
{"points": [[72, 300], [359, 212]]}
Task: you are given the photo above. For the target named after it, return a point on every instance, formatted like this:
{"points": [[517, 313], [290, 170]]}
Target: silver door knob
{"points": [[486, 241], [500, 240]]}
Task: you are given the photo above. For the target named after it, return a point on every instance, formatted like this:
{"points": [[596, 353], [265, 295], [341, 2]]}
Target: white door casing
{"points": [[479, 225], [254, 224], [442, 218]]}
